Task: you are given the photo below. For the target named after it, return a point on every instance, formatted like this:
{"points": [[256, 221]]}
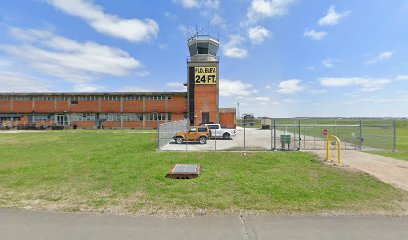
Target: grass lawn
{"points": [[120, 172]]}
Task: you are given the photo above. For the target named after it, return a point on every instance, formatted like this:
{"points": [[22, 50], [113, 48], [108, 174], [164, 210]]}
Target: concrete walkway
{"points": [[20, 224], [389, 170]]}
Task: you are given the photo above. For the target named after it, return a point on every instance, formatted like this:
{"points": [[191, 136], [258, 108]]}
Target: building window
{"points": [[111, 117], [157, 117], [87, 98], [111, 98], [74, 102], [132, 117], [22, 98], [84, 98], [61, 98], [155, 97], [40, 118], [133, 97], [83, 117], [202, 48], [44, 98], [4, 98]]}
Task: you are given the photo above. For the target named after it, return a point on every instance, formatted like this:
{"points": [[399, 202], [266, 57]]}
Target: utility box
{"points": [[285, 139]]}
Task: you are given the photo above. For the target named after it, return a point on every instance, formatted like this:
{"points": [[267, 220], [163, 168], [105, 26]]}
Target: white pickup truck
{"points": [[218, 132]]}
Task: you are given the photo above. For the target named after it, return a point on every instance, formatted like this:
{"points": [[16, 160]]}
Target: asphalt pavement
{"points": [[22, 224]]}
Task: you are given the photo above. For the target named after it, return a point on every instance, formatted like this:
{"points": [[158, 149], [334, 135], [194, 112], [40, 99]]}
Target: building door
{"points": [[205, 117], [62, 120]]}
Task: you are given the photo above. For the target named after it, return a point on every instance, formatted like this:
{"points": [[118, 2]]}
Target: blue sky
{"points": [[279, 58]]}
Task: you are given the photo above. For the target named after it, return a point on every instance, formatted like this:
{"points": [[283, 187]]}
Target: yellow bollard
{"points": [[338, 149]]}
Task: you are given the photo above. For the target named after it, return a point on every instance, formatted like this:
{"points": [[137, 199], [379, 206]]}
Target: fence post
{"points": [[215, 139], [158, 135], [244, 134], [394, 147], [361, 135], [274, 135], [187, 130], [271, 138], [299, 136]]}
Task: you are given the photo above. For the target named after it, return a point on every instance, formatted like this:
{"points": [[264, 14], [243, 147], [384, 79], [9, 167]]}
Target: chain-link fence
{"points": [[293, 134], [168, 130]]}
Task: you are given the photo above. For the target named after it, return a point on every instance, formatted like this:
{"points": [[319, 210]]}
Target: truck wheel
{"points": [[203, 140], [179, 140], [226, 136]]}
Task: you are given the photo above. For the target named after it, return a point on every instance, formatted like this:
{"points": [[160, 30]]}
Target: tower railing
{"points": [[203, 58]]}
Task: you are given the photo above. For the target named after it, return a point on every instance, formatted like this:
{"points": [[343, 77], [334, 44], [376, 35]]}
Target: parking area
{"points": [[249, 139]]}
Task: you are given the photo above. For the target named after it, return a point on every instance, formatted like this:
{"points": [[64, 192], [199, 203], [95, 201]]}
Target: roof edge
{"points": [[87, 93]]}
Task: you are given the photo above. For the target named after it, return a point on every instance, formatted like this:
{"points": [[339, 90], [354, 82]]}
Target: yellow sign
{"points": [[205, 75]]}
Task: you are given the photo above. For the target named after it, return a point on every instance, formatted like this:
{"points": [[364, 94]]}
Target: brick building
{"points": [[128, 109]]}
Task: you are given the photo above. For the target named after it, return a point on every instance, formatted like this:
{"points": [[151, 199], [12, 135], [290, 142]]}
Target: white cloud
{"points": [[330, 62], [311, 68], [333, 17], [367, 84], [170, 15], [217, 20], [230, 88], [214, 18], [290, 86], [12, 82], [163, 46], [176, 86], [213, 4], [68, 59], [187, 3], [402, 78], [4, 64], [233, 48], [86, 87], [315, 35], [294, 101], [135, 89], [267, 86], [260, 9], [262, 99], [317, 92], [134, 30], [258, 34], [143, 73], [29, 35], [381, 57]]}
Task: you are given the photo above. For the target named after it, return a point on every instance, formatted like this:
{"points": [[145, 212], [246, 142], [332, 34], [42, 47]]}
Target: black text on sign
{"points": [[205, 75]]}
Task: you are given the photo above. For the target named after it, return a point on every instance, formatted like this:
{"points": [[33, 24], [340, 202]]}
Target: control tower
{"points": [[203, 79]]}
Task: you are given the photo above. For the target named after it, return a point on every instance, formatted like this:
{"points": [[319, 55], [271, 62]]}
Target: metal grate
{"points": [[184, 171]]}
